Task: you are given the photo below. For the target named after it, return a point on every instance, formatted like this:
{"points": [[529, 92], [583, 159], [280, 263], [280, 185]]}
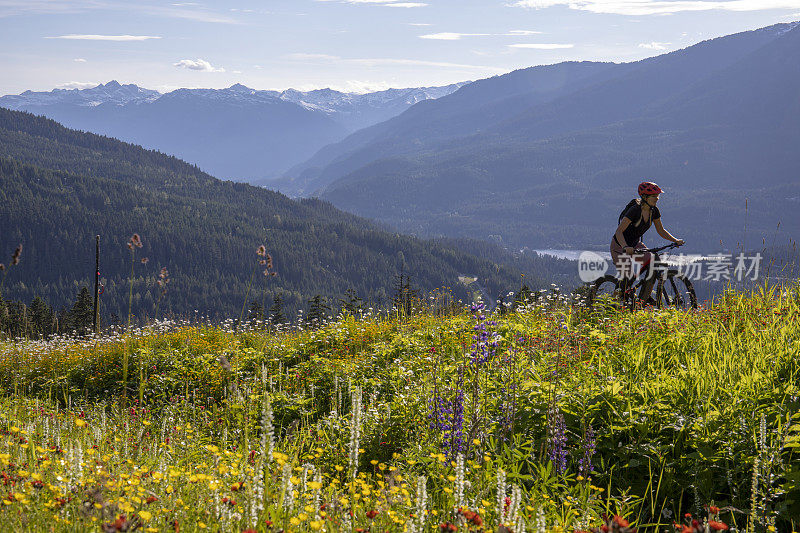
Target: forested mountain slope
{"points": [[61, 187]]}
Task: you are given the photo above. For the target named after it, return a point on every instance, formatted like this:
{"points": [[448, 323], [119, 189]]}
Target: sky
{"points": [[348, 45]]}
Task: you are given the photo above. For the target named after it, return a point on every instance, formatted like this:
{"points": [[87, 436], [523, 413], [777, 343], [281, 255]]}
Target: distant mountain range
{"points": [[547, 156], [543, 157], [236, 133]]}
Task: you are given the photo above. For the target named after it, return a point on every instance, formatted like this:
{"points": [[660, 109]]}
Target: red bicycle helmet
{"points": [[648, 187]]}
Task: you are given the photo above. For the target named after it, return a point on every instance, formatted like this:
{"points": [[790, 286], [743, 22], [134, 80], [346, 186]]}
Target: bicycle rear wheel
{"points": [[605, 292], [675, 291]]}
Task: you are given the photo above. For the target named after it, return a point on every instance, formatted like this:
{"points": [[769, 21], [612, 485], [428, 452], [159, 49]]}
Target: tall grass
{"points": [[675, 400]]}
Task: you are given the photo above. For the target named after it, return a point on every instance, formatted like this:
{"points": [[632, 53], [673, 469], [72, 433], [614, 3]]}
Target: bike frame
{"points": [[646, 273]]}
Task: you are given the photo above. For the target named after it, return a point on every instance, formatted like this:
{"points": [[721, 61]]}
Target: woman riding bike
{"points": [[637, 218]]}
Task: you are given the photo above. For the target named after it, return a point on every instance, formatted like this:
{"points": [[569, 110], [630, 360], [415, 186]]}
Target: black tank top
{"points": [[633, 233]]}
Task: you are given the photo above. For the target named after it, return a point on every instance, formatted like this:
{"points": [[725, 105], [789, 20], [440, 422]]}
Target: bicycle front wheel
{"points": [[605, 292], [676, 291]]}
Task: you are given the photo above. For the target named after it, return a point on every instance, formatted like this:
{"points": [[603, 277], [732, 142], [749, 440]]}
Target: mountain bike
{"points": [[674, 290]]}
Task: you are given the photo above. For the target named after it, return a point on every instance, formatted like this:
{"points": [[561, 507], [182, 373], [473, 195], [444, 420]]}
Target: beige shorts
{"points": [[622, 261]]}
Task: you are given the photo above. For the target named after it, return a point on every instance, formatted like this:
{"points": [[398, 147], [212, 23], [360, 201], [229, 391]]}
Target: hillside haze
{"points": [[547, 156], [236, 133], [61, 187]]}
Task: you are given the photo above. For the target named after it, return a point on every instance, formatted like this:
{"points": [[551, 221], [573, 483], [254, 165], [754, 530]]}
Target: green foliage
{"points": [[276, 311], [62, 187], [80, 318], [318, 311], [676, 399]]}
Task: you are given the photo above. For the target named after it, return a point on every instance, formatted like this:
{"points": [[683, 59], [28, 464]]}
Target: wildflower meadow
{"points": [[550, 418]]}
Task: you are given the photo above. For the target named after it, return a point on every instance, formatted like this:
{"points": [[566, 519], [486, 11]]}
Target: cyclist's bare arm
{"points": [[623, 225], [664, 233]]}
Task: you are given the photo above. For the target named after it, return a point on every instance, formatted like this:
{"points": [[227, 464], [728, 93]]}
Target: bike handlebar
{"points": [[656, 250]]}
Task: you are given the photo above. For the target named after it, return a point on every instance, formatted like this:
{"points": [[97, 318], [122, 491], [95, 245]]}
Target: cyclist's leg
{"points": [[624, 265], [621, 261], [646, 260]]}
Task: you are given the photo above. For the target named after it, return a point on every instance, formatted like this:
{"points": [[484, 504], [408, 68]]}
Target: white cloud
{"points": [[88, 37], [658, 7], [79, 60], [356, 86], [76, 85], [419, 24], [541, 46], [198, 64], [522, 32], [654, 45]]}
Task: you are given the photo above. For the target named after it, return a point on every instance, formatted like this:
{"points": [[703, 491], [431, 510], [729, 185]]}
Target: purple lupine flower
{"points": [[446, 415], [588, 444], [485, 340], [437, 412], [507, 410], [557, 441]]}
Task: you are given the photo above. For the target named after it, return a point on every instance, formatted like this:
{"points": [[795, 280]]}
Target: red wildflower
{"points": [[372, 514], [122, 524], [717, 526], [616, 524], [471, 516]]}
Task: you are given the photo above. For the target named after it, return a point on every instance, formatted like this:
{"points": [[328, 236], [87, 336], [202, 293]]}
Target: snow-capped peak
{"points": [[113, 93]]}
